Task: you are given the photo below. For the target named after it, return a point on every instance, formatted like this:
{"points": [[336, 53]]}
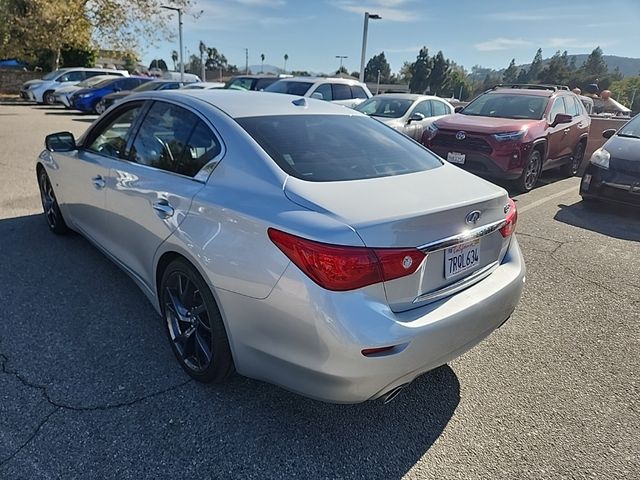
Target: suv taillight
{"points": [[341, 267], [511, 220]]}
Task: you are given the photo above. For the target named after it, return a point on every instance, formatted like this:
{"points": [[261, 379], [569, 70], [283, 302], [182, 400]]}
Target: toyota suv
{"points": [[336, 90], [514, 132]]}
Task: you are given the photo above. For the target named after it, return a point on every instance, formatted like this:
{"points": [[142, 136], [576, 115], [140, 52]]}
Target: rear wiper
{"points": [[628, 135]]}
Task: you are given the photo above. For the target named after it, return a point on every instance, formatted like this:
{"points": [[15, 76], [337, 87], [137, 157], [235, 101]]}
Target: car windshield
{"points": [[385, 107], [104, 82], [291, 88], [53, 75], [328, 148], [148, 86], [631, 129], [506, 105]]}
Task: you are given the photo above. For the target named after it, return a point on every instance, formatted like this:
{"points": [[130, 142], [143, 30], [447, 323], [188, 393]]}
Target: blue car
{"points": [[88, 99]]}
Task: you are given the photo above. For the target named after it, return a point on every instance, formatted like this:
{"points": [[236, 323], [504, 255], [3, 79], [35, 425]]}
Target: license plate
{"points": [[455, 157], [461, 258]]}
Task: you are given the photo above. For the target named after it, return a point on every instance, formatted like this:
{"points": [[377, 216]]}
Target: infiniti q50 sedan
{"points": [[289, 239]]}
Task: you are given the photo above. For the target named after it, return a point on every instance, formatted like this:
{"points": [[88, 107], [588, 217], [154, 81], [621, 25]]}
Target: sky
{"points": [[470, 32]]}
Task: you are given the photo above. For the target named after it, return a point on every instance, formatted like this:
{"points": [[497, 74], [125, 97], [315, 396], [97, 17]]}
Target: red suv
{"points": [[514, 132]]}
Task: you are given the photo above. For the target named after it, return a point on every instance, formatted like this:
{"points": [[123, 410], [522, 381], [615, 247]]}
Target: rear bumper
{"points": [[610, 185], [309, 340]]}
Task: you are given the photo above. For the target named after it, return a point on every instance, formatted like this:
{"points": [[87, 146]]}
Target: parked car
{"points": [[41, 91], [64, 93], [337, 90], [514, 132], [289, 239], [180, 77], [115, 97], [89, 99], [203, 85], [251, 82], [613, 173], [406, 112]]}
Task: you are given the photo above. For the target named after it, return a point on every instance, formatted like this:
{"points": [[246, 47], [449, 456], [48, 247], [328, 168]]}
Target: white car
{"points": [[336, 90], [41, 91], [408, 113], [203, 86], [63, 93]]}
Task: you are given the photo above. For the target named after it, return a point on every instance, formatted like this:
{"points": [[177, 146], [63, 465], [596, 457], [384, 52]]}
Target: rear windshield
{"points": [[505, 105], [291, 88], [329, 148]]}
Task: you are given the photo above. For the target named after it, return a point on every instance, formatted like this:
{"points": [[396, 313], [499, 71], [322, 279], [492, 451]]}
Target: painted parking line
{"points": [[544, 200]]}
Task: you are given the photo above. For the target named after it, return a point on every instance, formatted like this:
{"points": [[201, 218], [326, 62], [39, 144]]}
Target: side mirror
{"points": [[317, 95], [60, 142], [561, 118], [458, 109], [415, 117], [610, 132]]}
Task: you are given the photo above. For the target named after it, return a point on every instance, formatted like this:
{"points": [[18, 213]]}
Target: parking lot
{"points": [[89, 387]]}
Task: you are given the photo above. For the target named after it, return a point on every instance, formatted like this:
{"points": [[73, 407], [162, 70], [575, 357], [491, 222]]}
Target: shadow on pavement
{"points": [[609, 219], [80, 327]]}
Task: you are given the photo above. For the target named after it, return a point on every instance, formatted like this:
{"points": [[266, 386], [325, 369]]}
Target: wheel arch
{"points": [[542, 145]]}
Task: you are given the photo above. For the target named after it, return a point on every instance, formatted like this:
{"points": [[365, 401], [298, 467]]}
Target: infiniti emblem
{"points": [[473, 217], [461, 135]]}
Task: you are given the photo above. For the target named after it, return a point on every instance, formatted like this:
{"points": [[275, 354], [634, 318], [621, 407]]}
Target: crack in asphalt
{"points": [[4, 360]]}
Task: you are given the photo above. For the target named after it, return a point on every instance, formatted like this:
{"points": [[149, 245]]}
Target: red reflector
{"points": [[511, 220], [372, 351], [341, 268]]}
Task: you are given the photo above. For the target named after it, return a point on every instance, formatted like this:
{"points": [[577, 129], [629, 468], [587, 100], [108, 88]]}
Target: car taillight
{"points": [[511, 220], [341, 267]]}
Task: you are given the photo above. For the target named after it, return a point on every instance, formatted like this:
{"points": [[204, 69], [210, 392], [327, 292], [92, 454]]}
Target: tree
{"points": [[406, 72], [159, 64], [457, 83], [594, 65], [78, 57], [557, 70], [342, 70], [286, 57], [262, 57], [627, 92], [439, 72], [215, 59], [510, 75], [536, 66], [174, 57], [421, 72], [377, 63]]}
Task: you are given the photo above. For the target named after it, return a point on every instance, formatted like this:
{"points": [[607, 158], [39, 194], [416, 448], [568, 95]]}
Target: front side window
{"points": [[570, 106], [385, 107], [240, 84], [341, 92], [558, 107], [76, 76], [507, 105], [424, 108], [263, 83], [289, 87], [163, 140], [325, 91], [112, 139], [326, 148]]}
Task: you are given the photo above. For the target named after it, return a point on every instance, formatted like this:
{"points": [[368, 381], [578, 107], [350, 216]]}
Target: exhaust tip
{"points": [[393, 393]]}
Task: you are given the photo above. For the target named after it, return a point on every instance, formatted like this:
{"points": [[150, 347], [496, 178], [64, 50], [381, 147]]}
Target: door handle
{"points": [[98, 182], [163, 209]]}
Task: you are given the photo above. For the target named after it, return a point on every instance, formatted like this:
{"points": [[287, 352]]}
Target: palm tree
{"points": [[286, 57], [174, 57], [262, 64]]}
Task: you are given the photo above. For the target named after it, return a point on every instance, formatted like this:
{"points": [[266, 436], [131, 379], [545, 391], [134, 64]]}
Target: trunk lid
{"points": [[414, 210]]}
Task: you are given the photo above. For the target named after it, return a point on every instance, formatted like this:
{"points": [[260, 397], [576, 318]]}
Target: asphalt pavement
{"points": [[89, 387]]}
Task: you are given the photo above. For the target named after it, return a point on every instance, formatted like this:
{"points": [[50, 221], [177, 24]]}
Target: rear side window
{"points": [[326, 148], [358, 92], [341, 92], [438, 108], [128, 83]]}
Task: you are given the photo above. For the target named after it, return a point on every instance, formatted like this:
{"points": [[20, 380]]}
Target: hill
{"points": [[629, 67]]}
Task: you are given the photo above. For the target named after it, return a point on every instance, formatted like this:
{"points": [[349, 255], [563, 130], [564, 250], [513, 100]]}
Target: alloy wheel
{"points": [[48, 98], [577, 159], [49, 203], [532, 171], [188, 321]]}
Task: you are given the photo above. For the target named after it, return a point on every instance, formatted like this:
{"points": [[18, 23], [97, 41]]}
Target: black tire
{"points": [[48, 98], [531, 172], [571, 168], [100, 108], [194, 324], [50, 206]]}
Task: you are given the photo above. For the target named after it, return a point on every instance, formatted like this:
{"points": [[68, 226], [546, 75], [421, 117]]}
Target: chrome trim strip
{"points": [[472, 279], [620, 186], [462, 237]]}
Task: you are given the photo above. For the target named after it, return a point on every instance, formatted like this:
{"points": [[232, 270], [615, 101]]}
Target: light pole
{"points": [[341, 57], [179, 10], [367, 16]]}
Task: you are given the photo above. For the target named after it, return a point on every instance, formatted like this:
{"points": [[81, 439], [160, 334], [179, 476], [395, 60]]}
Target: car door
{"points": [[558, 136], [86, 173], [577, 126], [415, 128], [149, 194]]}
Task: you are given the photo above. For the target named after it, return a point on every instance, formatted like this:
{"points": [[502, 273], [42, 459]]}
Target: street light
{"points": [[341, 57], [179, 10], [367, 16]]}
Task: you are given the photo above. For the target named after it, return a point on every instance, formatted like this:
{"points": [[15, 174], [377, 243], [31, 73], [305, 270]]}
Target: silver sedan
{"points": [[406, 112], [289, 239]]}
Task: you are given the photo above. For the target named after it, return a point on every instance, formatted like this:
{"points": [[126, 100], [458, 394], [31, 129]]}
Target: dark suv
{"points": [[514, 132]]}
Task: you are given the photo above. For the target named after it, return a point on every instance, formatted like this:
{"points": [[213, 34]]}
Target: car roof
{"points": [[345, 81], [408, 96], [240, 104], [524, 91]]}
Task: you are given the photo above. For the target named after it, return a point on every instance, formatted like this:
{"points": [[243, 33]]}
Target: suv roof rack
{"points": [[531, 86]]}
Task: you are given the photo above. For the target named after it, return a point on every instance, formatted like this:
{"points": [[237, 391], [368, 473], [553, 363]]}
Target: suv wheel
{"points": [[572, 167], [48, 98], [531, 172]]}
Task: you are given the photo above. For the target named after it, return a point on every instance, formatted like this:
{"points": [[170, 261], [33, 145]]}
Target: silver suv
{"points": [[42, 91], [337, 90]]}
